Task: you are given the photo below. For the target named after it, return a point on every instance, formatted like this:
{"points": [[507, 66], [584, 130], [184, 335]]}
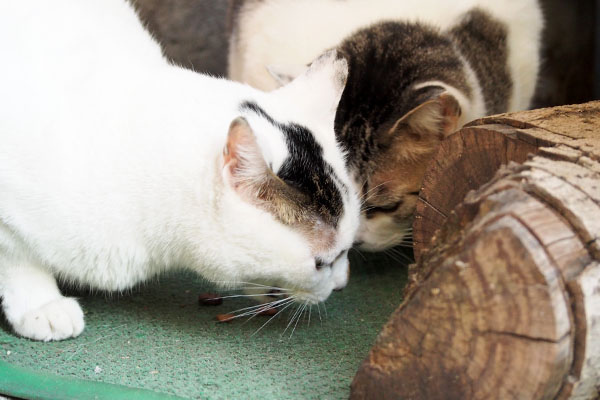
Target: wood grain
{"points": [[471, 156], [506, 301]]}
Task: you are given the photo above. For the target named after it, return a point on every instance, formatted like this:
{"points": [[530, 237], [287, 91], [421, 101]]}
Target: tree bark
{"points": [[470, 157], [506, 303]]}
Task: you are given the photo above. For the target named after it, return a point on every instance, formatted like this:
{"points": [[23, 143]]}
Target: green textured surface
{"points": [[26, 383], [158, 338]]}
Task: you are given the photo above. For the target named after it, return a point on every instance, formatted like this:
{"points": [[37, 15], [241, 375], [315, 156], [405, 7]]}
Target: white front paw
{"points": [[57, 320]]}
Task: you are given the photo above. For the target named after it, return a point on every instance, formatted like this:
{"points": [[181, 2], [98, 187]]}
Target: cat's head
{"points": [[390, 182], [287, 193], [401, 99]]}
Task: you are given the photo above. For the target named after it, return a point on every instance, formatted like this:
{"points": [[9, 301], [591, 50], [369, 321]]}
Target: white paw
{"points": [[60, 319]]}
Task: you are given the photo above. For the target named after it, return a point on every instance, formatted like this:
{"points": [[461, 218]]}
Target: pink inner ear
{"points": [[451, 113], [243, 162], [240, 137]]}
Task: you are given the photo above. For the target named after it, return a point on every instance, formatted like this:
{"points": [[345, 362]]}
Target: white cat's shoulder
{"points": [[79, 31]]}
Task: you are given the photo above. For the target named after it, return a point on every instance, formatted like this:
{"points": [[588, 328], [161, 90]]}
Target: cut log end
{"points": [[506, 302], [470, 157]]}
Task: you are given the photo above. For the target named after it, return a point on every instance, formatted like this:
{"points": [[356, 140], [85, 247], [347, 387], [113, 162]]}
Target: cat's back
{"points": [[59, 50], [296, 31], [67, 65], [75, 76], [65, 32]]}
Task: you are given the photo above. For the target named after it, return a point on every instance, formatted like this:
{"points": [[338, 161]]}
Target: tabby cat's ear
{"points": [[438, 116], [244, 167]]}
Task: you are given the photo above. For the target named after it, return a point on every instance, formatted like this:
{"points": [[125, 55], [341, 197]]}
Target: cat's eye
{"points": [[319, 263], [386, 209]]}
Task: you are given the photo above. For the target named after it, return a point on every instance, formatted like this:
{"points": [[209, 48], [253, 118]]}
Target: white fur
{"points": [[474, 106], [111, 168], [293, 32]]}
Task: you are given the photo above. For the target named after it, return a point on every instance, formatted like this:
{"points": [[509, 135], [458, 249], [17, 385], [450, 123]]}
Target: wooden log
{"points": [[470, 157], [506, 303]]}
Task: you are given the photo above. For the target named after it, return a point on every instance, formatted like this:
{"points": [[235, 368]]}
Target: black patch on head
{"points": [[385, 61], [482, 41], [305, 169]]}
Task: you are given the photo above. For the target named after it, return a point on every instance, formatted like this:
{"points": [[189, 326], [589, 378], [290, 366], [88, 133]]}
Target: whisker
{"points": [[248, 295], [270, 319], [298, 319], [258, 287], [396, 255], [249, 312], [259, 306], [396, 259], [375, 187], [291, 319], [319, 309], [359, 253], [298, 311], [362, 195], [365, 209], [394, 250], [236, 283], [269, 306]]}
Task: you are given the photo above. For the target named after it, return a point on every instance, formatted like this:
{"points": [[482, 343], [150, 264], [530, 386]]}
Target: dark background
{"points": [[193, 34]]}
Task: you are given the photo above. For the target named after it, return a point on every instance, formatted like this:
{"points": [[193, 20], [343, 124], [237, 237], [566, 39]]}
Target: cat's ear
{"points": [[284, 74], [247, 173], [438, 116], [244, 167], [320, 87]]}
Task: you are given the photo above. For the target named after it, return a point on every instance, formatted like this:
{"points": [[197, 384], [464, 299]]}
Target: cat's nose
{"points": [[340, 285], [358, 243], [341, 274]]}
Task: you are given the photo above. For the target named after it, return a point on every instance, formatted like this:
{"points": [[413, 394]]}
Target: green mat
{"points": [[159, 340]]}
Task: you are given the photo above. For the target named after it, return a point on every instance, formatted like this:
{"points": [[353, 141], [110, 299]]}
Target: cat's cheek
{"points": [[381, 232], [325, 283], [340, 273]]}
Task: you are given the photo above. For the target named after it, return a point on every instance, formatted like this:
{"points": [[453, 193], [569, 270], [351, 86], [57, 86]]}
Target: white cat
{"points": [[418, 70], [116, 166]]}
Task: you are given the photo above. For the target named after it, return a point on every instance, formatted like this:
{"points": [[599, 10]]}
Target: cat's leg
{"points": [[34, 305]]}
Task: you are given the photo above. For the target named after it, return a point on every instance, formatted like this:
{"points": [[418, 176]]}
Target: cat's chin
{"points": [[316, 294], [381, 234], [310, 298], [378, 246]]}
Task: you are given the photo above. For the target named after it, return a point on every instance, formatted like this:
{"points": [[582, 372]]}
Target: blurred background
{"points": [[193, 34]]}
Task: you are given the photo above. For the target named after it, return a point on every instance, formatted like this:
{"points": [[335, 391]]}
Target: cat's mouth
{"points": [[310, 298], [279, 296], [276, 293], [297, 296]]}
